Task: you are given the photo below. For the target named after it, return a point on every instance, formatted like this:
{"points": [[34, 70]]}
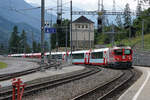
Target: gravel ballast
{"points": [[72, 89]]}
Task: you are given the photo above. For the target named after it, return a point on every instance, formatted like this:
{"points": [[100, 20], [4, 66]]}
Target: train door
{"points": [[86, 58], [105, 57]]}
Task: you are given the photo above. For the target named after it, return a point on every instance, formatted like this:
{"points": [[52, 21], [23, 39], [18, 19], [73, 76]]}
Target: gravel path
{"points": [[72, 89], [17, 64]]}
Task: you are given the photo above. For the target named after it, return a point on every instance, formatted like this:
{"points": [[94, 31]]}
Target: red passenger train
{"points": [[118, 57]]}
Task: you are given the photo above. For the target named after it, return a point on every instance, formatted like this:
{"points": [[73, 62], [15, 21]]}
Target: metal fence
{"points": [[141, 58]]}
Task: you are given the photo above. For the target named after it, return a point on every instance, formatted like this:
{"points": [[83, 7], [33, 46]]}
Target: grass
{"points": [[3, 65], [137, 41]]}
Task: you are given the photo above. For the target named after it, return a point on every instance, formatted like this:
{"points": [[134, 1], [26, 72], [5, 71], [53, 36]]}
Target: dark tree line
{"points": [[61, 34], [18, 43]]}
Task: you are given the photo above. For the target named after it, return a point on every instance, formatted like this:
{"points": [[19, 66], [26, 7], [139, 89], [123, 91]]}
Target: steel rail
{"points": [[41, 85], [131, 75], [21, 73], [98, 92]]}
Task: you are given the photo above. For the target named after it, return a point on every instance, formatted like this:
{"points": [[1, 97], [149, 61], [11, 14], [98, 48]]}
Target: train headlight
{"points": [[129, 58], [117, 58]]}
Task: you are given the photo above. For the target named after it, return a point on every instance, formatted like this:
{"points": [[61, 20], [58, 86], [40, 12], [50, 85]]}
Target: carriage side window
{"points": [[127, 52], [57, 56], [118, 52], [97, 55], [78, 56]]}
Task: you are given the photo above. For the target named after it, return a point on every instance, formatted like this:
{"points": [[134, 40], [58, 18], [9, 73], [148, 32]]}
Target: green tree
{"points": [[61, 34], [127, 19], [146, 1], [1, 46], [23, 42], [53, 41], [119, 21], [137, 23], [14, 41], [39, 47], [46, 47], [103, 39], [28, 49], [127, 16], [34, 46]]}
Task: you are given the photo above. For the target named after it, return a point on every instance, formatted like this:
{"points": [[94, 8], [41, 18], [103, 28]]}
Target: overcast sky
{"points": [[89, 4]]}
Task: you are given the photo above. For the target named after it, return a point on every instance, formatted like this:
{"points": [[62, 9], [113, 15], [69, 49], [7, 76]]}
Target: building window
{"points": [[82, 26], [86, 26], [78, 26]]}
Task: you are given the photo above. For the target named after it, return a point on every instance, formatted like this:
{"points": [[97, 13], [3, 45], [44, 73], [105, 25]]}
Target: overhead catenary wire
{"points": [[29, 8], [20, 11], [55, 7]]}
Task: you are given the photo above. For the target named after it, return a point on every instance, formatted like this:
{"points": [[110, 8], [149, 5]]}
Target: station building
{"points": [[82, 33]]}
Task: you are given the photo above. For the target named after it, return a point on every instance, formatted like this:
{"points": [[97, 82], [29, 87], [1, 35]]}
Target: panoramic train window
{"points": [[57, 56], [127, 52], [78, 56], [97, 55], [118, 52]]}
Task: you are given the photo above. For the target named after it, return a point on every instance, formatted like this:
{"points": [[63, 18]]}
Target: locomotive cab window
{"points": [[127, 52], [78, 56], [118, 52], [97, 55]]}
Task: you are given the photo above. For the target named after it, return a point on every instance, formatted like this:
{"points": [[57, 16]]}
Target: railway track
{"points": [[106, 90], [25, 72], [46, 83]]}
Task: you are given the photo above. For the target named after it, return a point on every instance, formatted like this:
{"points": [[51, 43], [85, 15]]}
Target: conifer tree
{"points": [[46, 47], [127, 16], [34, 46], [14, 41], [39, 47], [23, 42], [127, 19]]}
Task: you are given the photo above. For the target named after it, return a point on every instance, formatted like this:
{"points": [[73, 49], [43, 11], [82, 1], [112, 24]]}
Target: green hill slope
{"points": [[136, 42]]}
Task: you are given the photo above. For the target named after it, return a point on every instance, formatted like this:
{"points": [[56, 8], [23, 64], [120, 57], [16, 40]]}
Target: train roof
{"points": [[82, 51], [14, 55], [53, 53], [124, 47], [99, 50]]}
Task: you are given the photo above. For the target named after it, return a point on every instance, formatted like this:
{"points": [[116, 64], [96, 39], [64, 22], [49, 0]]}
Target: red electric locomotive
{"points": [[120, 57]]}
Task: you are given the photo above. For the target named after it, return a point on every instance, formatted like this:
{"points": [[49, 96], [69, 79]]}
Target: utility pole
{"points": [[42, 31], [76, 37], [99, 5], [139, 8], [142, 34], [130, 32], [114, 5], [89, 36], [50, 42], [59, 21], [66, 42], [113, 31], [100, 16], [32, 40], [71, 27]]}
